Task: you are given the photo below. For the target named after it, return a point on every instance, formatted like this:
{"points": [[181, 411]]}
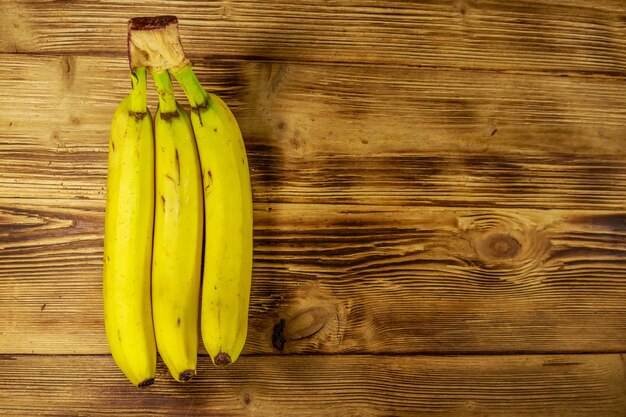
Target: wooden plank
{"points": [[373, 279], [472, 180], [546, 385], [311, 109], [498, 140], [530, 35]]}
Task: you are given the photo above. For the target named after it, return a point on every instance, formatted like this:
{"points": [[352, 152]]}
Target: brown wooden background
{"points": [[440, 205]]}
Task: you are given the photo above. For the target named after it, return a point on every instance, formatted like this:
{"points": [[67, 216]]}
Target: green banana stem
{"points": [[167, 102], [138, 92], [194, 91]]}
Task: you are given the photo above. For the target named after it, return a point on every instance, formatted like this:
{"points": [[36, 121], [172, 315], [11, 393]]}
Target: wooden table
{"points": [[442, 182]]}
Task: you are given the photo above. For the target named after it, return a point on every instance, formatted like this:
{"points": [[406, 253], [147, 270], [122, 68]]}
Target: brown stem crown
{"points": [[154, 43]]}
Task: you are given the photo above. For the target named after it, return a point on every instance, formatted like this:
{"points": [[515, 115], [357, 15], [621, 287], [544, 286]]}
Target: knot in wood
{"points": [[302, 325], [499, 246], [305, 324], [507, 248], [309, 320]]}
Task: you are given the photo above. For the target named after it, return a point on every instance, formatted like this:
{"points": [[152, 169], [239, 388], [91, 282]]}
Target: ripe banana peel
{"points": [[228, 221], [128, 236], [178, 228]]}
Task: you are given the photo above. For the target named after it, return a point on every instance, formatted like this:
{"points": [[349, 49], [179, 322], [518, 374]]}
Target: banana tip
{"points": [[146, 383], [222, 359], [187, 375]]}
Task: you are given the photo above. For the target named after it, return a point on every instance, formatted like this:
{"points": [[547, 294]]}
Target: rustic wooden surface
{"points": [[440, 205]]}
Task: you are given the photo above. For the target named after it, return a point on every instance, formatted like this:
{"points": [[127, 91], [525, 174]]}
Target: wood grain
{"points": [[451, 250], [431, 179], [530, 35], [382, 278], [500, 140], [470, 180], [547, 385]]}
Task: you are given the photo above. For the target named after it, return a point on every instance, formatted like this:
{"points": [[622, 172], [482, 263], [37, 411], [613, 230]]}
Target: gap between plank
{"points": [[372, 354], [249, 58]]}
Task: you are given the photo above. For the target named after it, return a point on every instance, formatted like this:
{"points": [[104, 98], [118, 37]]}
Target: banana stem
{"points": [[194, 91], [138, 92], [167, 102]]}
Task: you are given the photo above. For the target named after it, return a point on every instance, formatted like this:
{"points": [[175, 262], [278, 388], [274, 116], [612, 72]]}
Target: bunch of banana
{"points": [[202, 183]]}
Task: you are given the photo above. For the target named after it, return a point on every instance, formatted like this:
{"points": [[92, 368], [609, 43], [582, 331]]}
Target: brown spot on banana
{"points": [[177, 161], [137, 115], [168, 116], [208, 181]]}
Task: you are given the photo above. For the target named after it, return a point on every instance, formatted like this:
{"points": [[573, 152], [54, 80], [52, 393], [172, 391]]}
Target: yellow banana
{"points": [[228, 221], [178, 226], [128, 236]]}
